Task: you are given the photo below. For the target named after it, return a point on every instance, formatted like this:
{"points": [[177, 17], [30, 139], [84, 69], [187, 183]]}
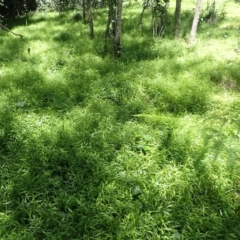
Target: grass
{"points": [[146, 147]]}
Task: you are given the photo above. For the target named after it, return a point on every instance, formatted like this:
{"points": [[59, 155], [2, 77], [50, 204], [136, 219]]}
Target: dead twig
{"points": [[16, 34]]}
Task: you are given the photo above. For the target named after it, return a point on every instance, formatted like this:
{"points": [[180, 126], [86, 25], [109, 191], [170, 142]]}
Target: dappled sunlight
{"points": [[141, 147]]}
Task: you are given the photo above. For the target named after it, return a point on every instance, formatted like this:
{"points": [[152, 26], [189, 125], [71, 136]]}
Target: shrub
{"points": [[213, 12]]}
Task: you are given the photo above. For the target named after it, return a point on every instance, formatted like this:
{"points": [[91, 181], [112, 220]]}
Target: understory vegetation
{"points": [[143, 147]]}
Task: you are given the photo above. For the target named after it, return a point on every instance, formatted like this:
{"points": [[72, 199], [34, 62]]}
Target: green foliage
{"points": [[146, 147], [213, 12], [159, 17], [57, 5]]}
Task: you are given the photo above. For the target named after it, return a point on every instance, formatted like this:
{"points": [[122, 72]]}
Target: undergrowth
{"points": [[146, 147]]}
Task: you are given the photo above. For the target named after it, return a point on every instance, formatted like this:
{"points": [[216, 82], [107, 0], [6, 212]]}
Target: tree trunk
{"points": [[90, 19], [177, 18], [145, 6], [84, 11], [117, 36], [31, 5], [107, 31], [195, 23], [113, 19]]}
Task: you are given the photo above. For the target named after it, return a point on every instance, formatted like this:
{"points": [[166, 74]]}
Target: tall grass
{"points": [[141, 148]]}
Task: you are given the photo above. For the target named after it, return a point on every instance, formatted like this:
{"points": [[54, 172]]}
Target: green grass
{"points": [[146, 147]]}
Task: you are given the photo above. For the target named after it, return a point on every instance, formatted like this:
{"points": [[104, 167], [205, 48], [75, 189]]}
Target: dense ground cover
{"points": [[146, 147]]}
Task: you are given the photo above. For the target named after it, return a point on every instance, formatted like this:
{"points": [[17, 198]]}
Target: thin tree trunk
{"points": [[145, 6], [195, 23], [84, 11], [90, 19], [177, 18], [117, 37], [113, 20], [107, 31]]}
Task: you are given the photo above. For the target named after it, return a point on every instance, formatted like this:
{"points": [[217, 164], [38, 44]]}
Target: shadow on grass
{"points": [[32, 19], [55, 181], [52, 187], [13, 48], [226, 76], [136, 50], [204, 213]]}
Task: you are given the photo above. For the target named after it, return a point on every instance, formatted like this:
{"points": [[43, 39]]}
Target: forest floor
{"points": [[144, 147]]}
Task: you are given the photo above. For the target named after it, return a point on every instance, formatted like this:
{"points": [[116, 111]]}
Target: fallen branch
{"points": [[16, 34]]}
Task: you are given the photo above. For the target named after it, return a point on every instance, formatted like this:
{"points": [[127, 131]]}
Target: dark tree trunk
{"points": [[84, 11], [195, 23], [31, 5], [113, 20], [90, 18], [177, 18], [117, 37], [107, 31]]}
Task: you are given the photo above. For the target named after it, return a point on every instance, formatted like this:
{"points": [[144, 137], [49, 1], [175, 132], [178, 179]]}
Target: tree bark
{"points": [[117, 36], [107, 31], [177, 19], [195, 23], [90, 19], [84, 11]]}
